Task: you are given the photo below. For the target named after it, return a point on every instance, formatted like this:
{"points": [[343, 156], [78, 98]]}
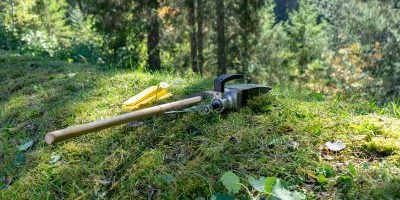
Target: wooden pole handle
{"points": [[78, 130]]}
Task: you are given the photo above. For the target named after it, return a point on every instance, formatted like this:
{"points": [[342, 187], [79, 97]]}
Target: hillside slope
{"points": [[282, 134]]}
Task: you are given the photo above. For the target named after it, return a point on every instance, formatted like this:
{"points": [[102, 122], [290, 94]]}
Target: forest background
{"points": [[330, 46]]}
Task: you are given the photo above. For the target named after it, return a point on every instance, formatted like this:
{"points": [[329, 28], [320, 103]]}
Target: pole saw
{"points": [[223, 98]]}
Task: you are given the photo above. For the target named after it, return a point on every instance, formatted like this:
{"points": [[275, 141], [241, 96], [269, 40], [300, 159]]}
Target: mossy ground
{"points": [[183, 156]]}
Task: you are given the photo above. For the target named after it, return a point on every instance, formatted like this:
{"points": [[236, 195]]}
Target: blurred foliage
{"points": [[8, 40], [330, 46], [365, 45]]}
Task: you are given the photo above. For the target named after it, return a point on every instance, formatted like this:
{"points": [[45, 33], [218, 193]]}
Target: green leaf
{"points": [[279, 192], [322, 179], [327, 171], [19, 159], [168, 178], [269, 184], [219, 196], [298, 195], [352, 169], [258, 185], [231, 182], [345, 180], [365, 165], [26, 145]]}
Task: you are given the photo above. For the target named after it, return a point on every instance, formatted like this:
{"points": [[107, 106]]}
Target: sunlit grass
{"points": [[183, 156]]}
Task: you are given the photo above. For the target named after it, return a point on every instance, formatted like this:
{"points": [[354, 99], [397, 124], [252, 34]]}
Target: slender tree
{"points": [[245, 25], [153, 36], [200, 36], [283, 8], [12, 6], [192, 27], [221, 54]]}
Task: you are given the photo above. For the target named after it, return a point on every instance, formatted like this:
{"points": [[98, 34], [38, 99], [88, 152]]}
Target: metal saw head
{"points": [[234, 97]]}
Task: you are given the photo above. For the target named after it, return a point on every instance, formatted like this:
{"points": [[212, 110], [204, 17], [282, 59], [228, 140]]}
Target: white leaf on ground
{"points": [[335, 146], [55, 158], [26, 145], [169, 178], [105, 182], [70, 75], [293, 144]]}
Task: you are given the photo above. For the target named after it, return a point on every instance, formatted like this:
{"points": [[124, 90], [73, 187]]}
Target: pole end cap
{"points": [[49, 138]]}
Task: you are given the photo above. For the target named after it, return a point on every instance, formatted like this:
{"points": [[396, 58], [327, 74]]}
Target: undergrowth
{"points": [[183, 156]]}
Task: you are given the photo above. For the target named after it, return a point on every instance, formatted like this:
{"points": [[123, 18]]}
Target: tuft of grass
{"points": [[184, 155], [382, 146]]}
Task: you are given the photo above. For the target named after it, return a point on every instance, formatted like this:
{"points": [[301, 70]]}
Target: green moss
{"points": [[179, 156], [382, 146]]}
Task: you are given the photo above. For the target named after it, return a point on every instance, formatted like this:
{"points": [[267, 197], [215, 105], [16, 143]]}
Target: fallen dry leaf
{"points": [[327, 157]]}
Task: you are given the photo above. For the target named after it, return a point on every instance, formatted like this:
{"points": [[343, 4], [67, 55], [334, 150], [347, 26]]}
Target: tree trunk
{"points": [[200, 36], [192, 27], [153, 36], [13, 21], [283, 8], [280, 10], [245, 25], [221, 54]]}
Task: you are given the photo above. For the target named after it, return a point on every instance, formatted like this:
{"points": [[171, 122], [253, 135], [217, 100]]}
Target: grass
{"points": [[183, 156]]}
